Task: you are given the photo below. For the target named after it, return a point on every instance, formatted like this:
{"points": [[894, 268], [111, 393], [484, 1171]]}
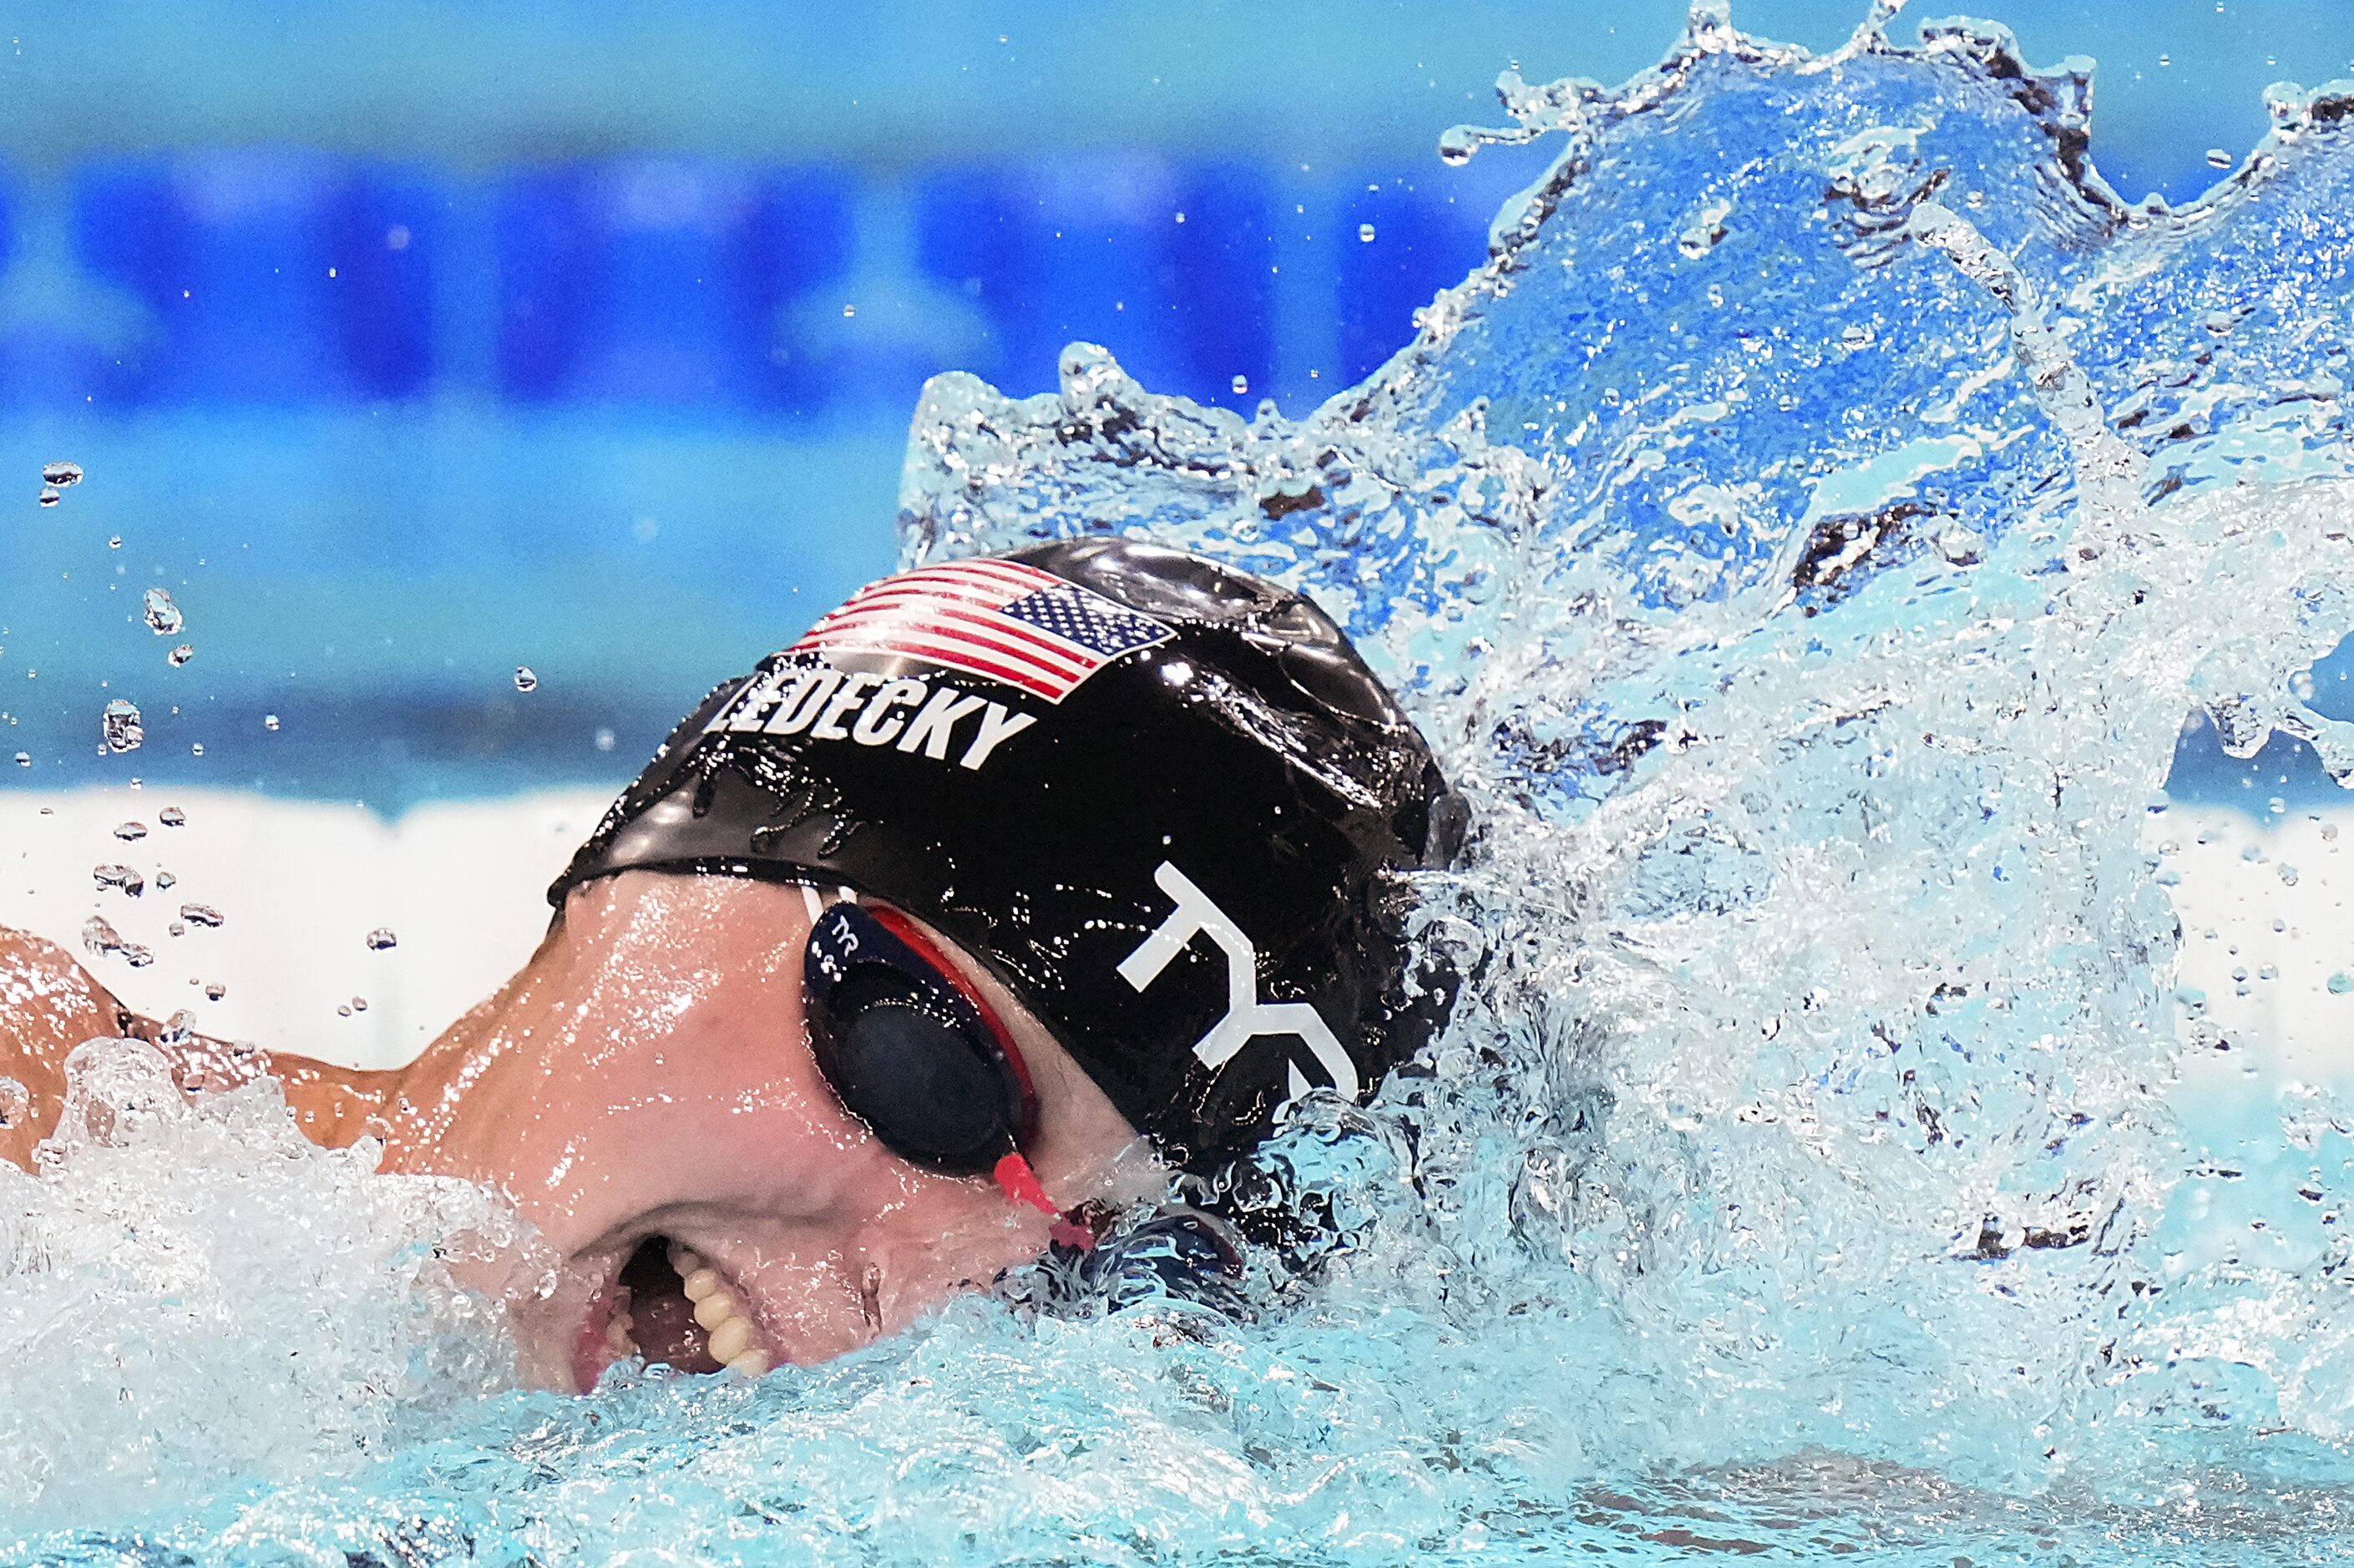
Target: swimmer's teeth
{"points": [[617, 1342], [721, 1316]]}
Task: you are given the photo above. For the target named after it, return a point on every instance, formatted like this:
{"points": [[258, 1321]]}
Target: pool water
{"points": [[1804, 540]]}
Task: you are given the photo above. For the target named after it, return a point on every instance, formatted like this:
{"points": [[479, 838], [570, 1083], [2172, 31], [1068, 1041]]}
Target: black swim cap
{"points": [[1164, 801]]}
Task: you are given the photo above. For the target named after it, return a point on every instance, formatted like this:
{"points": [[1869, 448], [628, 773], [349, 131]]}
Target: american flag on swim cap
{"points": [[1009, 622]]}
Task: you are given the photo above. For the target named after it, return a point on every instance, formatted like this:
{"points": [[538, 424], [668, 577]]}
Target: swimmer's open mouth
{"points": [[672, 1307]]}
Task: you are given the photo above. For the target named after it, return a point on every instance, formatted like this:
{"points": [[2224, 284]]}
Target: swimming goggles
{"points": [[912, 1049]]}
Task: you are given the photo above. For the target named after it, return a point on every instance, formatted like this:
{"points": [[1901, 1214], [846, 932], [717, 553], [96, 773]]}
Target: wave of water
{"points": [[1804, 540]]}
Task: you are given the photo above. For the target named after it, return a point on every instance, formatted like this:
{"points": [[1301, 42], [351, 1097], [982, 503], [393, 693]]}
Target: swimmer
{"points": [[1015, 883]]}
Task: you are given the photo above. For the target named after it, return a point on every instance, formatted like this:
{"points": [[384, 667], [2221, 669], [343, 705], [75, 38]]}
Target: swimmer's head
{"points": [[1165, 803]]}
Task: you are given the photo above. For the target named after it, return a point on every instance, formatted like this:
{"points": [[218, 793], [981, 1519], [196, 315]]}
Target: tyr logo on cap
{"points": [[1247, 1018]]}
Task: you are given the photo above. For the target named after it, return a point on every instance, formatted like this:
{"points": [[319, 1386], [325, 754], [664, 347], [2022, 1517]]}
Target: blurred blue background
{"points": [[410, 343]]}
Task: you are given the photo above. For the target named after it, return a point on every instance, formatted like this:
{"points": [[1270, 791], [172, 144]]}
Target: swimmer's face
{"points": [[646, 1089]]}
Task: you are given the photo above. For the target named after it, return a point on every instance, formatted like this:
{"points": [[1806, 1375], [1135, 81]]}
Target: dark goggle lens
{"points": [[905, 1051]]}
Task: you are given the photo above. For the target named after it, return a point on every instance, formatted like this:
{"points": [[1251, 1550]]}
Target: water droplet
{"points": [[203, 915], [526, 679], [359, 1004], [119, 726], [604, 740], [16, 1102], [2165, 59], [24, 760], [164, 617], [2219, 158], [172, 816], [178, 1030], [131, 832], [1457, 145], [269, 721], [114, 540], [1241, 385], [165, 879], [849, 310], [175, 929], [197, 748], [215, 991], [51, 494], [61, 474], [121, 876], [1365, 233], [2341, 983], [181, 655], [98, 940], [345, 1011], [380, 939]]}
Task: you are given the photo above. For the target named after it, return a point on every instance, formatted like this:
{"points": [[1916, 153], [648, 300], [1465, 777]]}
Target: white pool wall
{"points": [[462, 885], [300, 886]]}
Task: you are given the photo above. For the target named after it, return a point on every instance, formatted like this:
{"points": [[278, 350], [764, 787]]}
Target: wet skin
{"points": [[647, 1074]]}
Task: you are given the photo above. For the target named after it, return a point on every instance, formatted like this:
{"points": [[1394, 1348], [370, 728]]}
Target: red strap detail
{"points": [[1021, 1185]]}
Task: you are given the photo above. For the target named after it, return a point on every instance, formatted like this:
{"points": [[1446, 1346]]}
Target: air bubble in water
{"points": [[100, 938], [119, 726], [172, 816], [131, 832], [380, 939], [121, 876], [61, 474], [164, 617], [203, 915], [526, 679]]}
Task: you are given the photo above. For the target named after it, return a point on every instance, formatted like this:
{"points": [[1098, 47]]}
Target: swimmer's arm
{"points": [[49, 1005]]}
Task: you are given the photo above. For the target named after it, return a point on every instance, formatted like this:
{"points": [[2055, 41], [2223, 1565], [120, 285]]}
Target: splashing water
{"points": [[230, 1342], [1804, 540]]}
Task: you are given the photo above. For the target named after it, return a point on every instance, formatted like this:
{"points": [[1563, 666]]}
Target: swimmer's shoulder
{"points": [[49, 1005], [42, 983]]}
